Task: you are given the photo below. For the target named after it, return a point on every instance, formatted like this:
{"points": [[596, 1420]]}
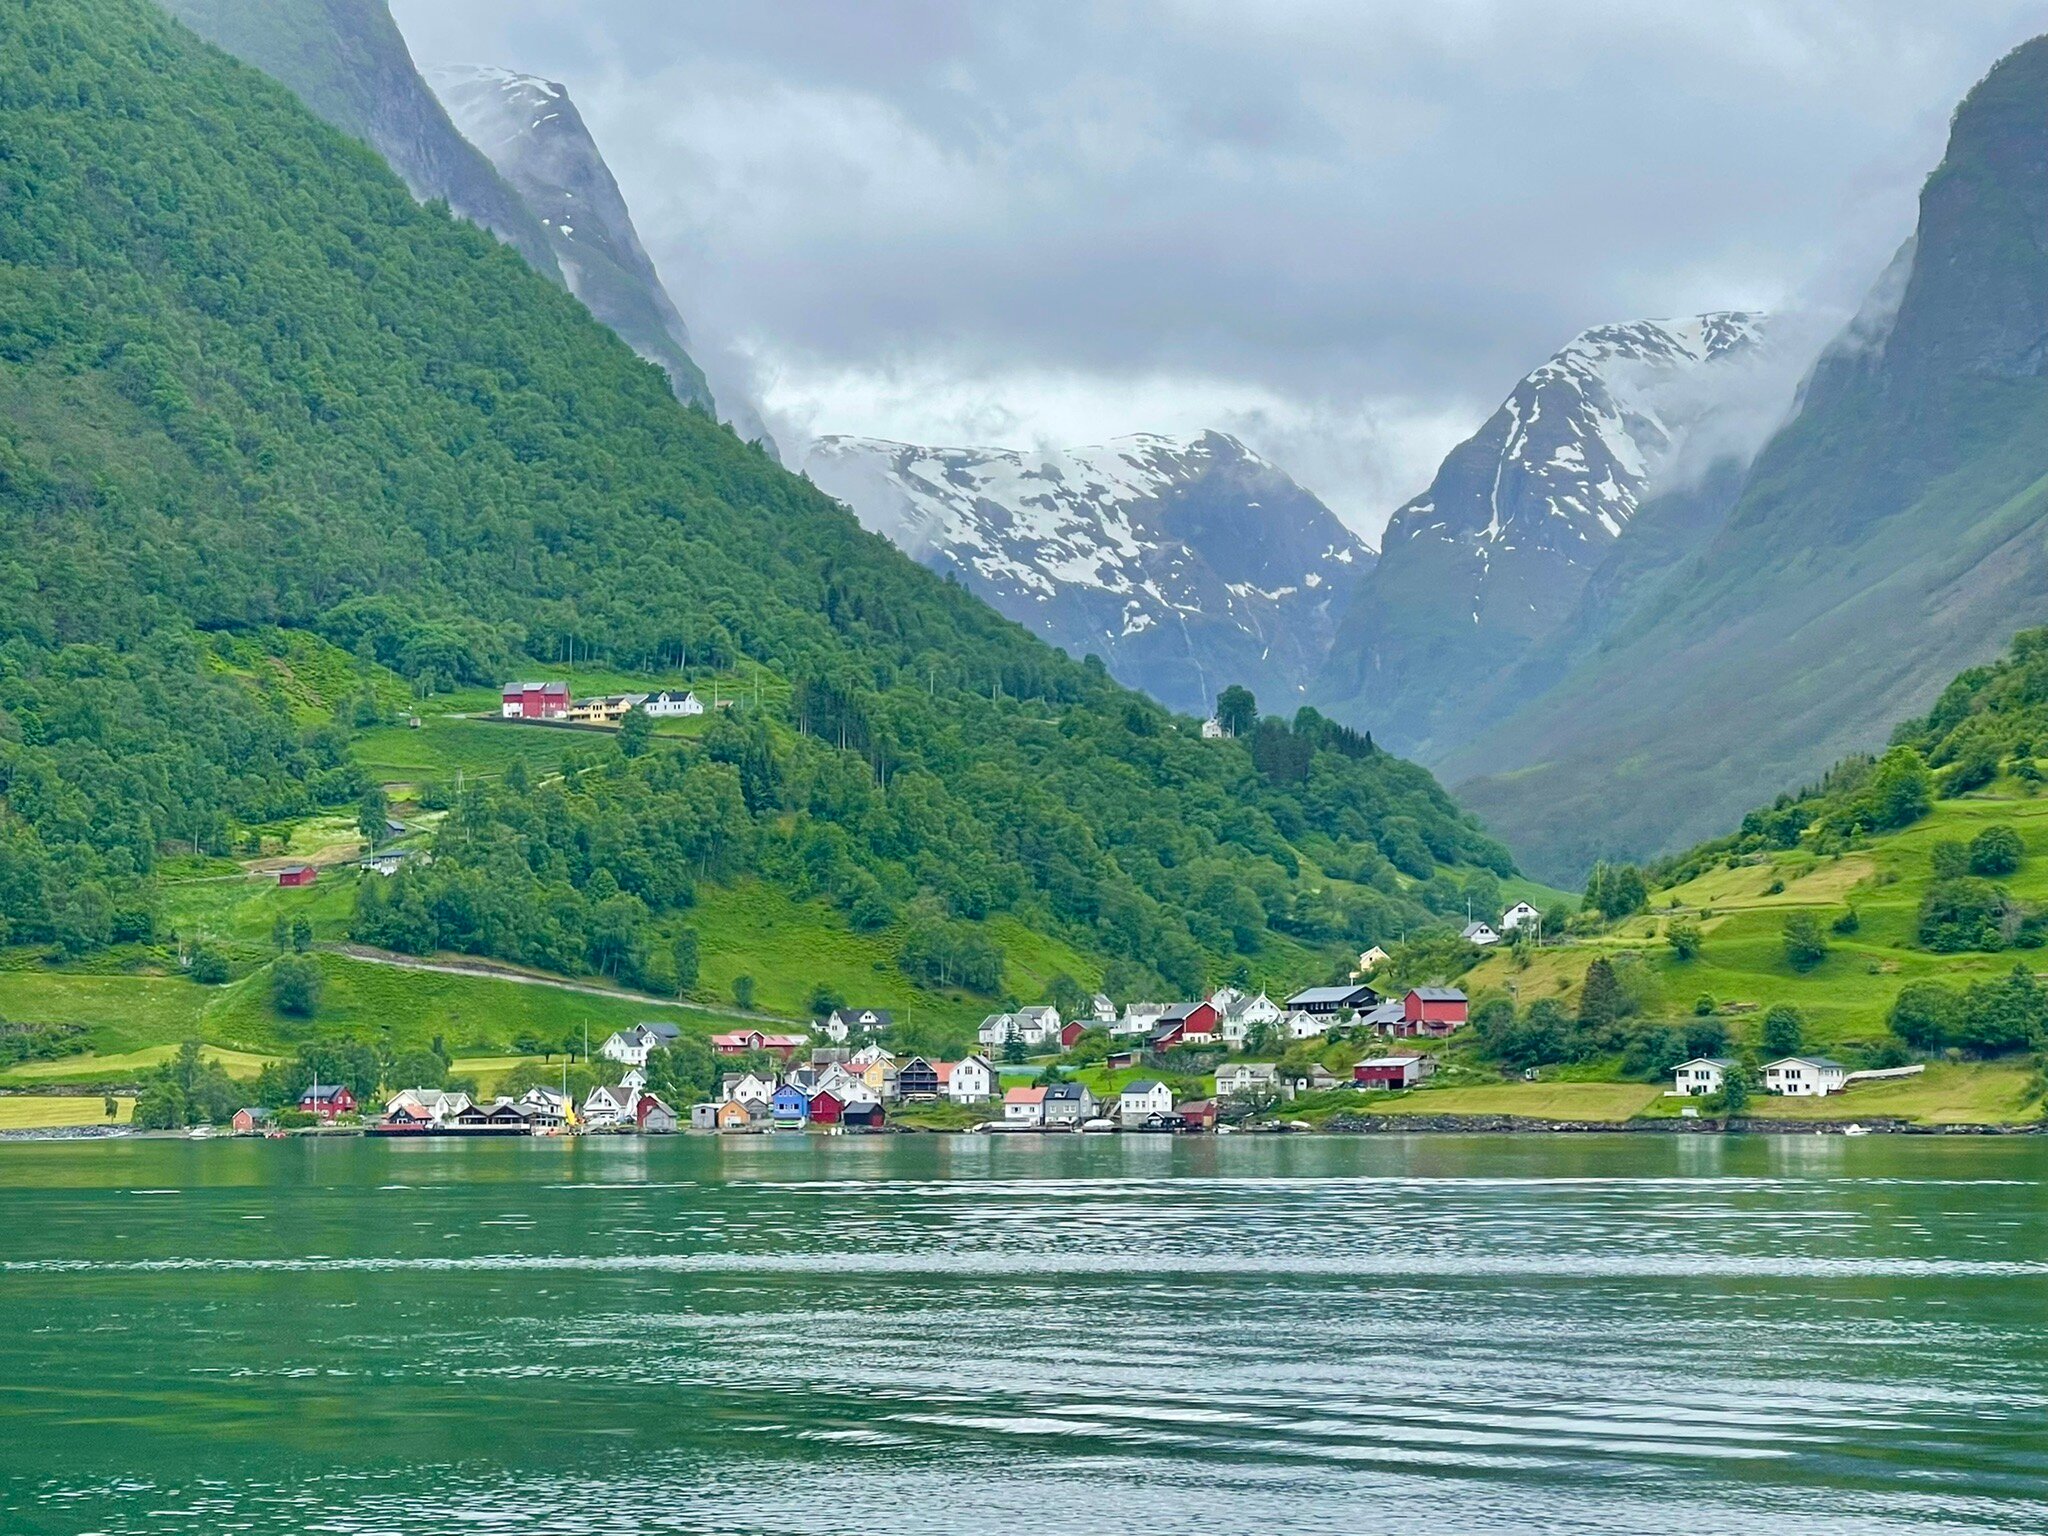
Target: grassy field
{"points": [[1612, 1102], [21, 1112], [1847, 997], [1980, 1093], [125, 1067]]}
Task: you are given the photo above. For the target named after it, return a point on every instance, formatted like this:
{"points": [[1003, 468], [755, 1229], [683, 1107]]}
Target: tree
{"points": [[743, 991], [209, 966], [825, 1000], [1683, 935], [112, 1106], [1805, 944], [1901, 789], [295, 985], [1704, 1004], [1996, 850], [684, 953], [373, 812], [1956, 915], [416, 1069], [1949, 859], [2009, 1014], [1600, 999], [636, 732], [302, 933], [1784, 1030], [1706, 1037], [1067, 995], [1237, 711], [1735, 1090], [1925, 1015]]}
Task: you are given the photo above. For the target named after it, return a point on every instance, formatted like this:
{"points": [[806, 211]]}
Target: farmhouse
{"points": [[968, 1081], [632, 1046], [1393, 1071], [607, 709], [295, 875], [1184, 1024], [863, 1021], [608, 1105], [1517, 915], [1038, 1026], [1700, 1076], [328, 1100], [1369, 960], [1479, 933], [670, 705], [1805, 1077], [534, 701]]}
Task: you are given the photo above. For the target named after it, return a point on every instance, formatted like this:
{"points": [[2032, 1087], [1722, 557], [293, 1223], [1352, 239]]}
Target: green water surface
{"points": [[981, 1334]]}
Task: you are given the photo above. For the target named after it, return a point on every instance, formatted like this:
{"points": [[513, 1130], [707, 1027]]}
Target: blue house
{"points": [[789, 1106]]}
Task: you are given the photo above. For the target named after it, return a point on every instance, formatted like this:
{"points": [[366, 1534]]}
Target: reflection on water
{"points": [[1535, 1334]]}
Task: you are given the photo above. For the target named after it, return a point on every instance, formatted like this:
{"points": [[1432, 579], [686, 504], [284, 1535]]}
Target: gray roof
{"points": [[1065, 1091], [1143, 1085], [1439, 994], [1328, 994]]}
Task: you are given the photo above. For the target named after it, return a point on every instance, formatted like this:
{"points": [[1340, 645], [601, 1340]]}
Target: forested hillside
{"points": [[248, 388]]}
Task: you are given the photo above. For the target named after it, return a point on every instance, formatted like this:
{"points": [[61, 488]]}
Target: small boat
{"points": [[198, 1133], [1098, 1126], [1855, 1130]]}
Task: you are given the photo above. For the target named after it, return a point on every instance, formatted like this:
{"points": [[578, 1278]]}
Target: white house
{"points": [[996, 1030], [1699, 1077], [548, 1102], [1101, 1009], [747, 1088], [847, 1087], [868, 1055], [430, 1104], [669, 704], [632, 1046], [1138, 1019], [1142, 1098], [1308, 1026], [1521, 912], [971, 1081], [1236, 1077], [1479, 933], [609, 1106], [830, 1028], [1038, 1026], [1212, 729], [865, 1022], [1024, 1106], [1369, 960], [1805, 1077], [1244, 1014]]}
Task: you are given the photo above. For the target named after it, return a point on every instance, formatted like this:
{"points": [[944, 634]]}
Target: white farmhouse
{"points": [[1139, 1019], [1212, 729], [996, 1030], [609, 1105], [631, 1047], [1805, 1077], [1101, 1009], [970, 1080], [1039, 1026], [1699, 1077], [1517, 915], [669, 704], [747, 1088], [1479, 933], [1308, 1026], [1369, 960], [1142, 1098], [1236, 1077]]}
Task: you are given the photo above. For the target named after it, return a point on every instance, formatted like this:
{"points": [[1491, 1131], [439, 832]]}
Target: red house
{"points": [[328, 1100], [1184, 1024], [1069, 1033], [297, 874], [1433, 1010], [827, 1108], [534, 701], [1200, 1114], [740, 1041], [865, 1117]]}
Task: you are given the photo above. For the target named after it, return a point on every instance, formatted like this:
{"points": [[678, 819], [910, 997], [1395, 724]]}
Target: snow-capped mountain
{"points": [[1186, 564], [1492, 559], [531, 131]]}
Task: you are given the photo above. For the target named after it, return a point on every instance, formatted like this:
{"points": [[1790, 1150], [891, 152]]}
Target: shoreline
{"points": [[1337, 1126]]}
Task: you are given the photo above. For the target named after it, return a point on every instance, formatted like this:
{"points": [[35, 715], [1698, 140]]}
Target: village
{"points": [[843, 1076]]}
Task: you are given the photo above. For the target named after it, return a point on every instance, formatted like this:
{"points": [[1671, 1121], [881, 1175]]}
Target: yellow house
{"points": [[607, 710], [732, 1116], [879, 1073]]}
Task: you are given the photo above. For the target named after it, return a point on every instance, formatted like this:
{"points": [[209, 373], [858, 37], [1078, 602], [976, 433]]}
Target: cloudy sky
{"points": [[1338, 228]]}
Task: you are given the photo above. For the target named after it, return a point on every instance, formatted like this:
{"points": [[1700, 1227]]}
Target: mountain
{"points": [[533, 134], [1498, 554], [1186, 564], [266, 421], [1892, 534], [347, 61]]}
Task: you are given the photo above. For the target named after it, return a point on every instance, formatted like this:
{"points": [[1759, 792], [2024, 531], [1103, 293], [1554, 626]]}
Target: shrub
{"points": [[1950, 860], [1967, 913], [1996, 850], [1704, 1004], [295, 983], [1924, 1015], [1784, 1030], [1848, 922], [1684, 938], [209, 966]]}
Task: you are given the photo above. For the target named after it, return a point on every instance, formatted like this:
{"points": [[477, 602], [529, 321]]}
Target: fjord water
{"points": [[978, 1334]]}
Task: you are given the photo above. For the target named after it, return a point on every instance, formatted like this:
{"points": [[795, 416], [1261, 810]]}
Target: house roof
{"points": [[1024, 1096], [1706, 1061], [1241, 1067], [1062, 1092], [321, 1092], [1327, 994], [1390, 1061], [1036, 1011], [254, 1112], [1143, 1085], [1472, 928], [855, 1015], [1807, 1061], [1180, 1012], [1437, 994]]}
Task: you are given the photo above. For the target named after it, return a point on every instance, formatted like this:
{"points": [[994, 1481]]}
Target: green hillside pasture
{"points": [[45, 1112], [123, 1067], [1608, 1102], [444, 746], [1979, 1093]]}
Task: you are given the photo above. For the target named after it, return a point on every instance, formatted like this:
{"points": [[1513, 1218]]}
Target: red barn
{"points": [[328, 1100], [1393, 1071], [1433, 1010], [1069, 1033], [1184, 1024], [297, 874], [866, 1117], [534, 701], [827, 1108]]}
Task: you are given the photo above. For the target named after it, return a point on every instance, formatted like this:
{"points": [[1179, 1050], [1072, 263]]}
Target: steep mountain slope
{"points": [[1890, 536], [346, 60], [1496, 556], [532, 132], [1185, 564], [251, 392]]}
